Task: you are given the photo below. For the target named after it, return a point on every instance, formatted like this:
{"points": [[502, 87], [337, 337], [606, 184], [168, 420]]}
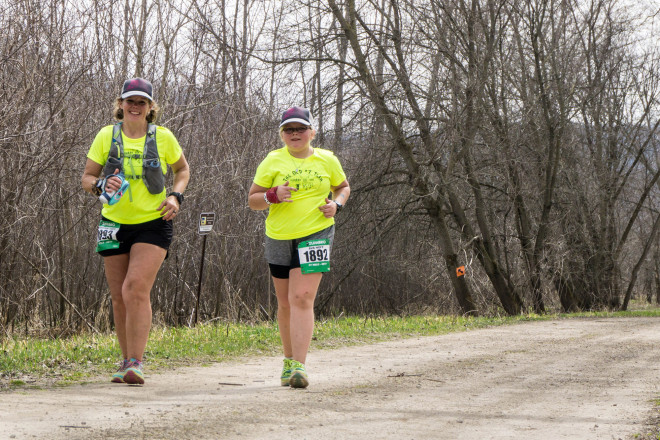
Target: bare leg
{"points": [[302, 293], [144, 262], [116, 267], [283, 313]]}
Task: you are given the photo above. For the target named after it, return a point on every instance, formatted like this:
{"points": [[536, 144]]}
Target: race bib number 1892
{"points": [[314, 256]]}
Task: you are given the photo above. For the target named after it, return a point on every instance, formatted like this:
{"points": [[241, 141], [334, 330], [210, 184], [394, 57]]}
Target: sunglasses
{"points": [[299, 130]]}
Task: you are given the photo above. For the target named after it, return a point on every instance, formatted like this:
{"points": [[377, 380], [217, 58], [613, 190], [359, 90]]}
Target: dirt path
{"points": [[569, 379]]}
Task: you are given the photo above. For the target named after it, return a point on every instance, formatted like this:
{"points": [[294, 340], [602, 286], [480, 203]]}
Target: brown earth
{"points": [[566, 379]]}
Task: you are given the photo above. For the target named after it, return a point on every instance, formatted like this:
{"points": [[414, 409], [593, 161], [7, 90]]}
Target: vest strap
{"points": [[152, 173]]}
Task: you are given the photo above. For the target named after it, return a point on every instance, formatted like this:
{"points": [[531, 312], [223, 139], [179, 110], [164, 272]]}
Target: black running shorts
{"points": [[158, 232]]}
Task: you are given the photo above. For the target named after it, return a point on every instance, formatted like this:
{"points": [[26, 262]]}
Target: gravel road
{"points": [[565, 379]]}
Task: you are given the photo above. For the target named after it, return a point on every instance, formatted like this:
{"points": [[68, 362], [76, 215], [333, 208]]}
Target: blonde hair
{"points": [[118, 112]]}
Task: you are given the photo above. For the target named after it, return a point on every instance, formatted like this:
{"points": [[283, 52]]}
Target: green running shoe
{"points": [[118, 376], [298, 377], [286, 372], [134, 375]]}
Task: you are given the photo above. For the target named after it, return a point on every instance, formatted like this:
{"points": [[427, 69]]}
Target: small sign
{"points": [[460, 271], [206, 220]]}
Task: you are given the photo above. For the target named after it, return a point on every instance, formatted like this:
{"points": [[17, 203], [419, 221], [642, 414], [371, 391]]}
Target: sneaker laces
{"points": [[134, 364], [295, 365], [123, 365]]}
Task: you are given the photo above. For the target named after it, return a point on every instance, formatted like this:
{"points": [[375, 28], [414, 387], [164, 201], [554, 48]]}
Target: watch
{"points": [[179, 196], [339, 205]]}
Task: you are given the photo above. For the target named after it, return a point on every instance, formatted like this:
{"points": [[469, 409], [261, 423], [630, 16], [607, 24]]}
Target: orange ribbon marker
{"points": [[460, 271]]}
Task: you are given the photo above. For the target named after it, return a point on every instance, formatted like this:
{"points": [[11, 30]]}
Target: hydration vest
{"points": [[152, 173]]}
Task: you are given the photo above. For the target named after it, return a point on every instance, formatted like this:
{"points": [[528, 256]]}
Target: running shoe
{"points": [[298, 377], [286, 372], [133, 374], [118, 376]]}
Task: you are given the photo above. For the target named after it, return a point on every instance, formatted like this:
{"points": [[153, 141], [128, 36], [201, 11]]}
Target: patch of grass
{"points": [[354, 330], [647, 313], [60, 361]]}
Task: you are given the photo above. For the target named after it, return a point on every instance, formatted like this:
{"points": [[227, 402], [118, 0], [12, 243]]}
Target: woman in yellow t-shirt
{"points": [[135, 232], [294, 183]]}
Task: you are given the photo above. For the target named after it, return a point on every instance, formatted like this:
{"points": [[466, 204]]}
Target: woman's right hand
{"points": [[113, 183], [284, 192]]}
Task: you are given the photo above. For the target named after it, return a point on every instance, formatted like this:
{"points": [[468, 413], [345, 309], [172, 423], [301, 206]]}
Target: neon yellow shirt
{"points": [[138, 205], [313, 177]]}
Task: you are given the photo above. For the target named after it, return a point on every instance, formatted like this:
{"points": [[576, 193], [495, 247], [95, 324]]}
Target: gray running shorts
{"points": [[285, 252]]}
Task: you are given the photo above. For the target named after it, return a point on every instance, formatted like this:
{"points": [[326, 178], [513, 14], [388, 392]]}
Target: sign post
{"points": [[206, 220]]}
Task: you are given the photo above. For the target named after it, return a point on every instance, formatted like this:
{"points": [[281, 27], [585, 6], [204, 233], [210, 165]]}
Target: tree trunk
{"points": [[432, 199]]}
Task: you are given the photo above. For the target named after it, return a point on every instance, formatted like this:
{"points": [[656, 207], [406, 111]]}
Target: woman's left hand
{"points": [[329, 209], [169, 208]]}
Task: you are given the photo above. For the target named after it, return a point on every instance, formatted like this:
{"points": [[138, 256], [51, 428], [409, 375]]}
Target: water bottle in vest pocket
{"points": [[153, 175]]}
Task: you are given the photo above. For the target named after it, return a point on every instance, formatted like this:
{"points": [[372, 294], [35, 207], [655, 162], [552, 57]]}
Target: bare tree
{"points": [[519, 140]]}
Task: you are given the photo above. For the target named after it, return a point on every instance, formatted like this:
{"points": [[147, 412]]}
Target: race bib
{"points": [[314, 256], [107, 236]]}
